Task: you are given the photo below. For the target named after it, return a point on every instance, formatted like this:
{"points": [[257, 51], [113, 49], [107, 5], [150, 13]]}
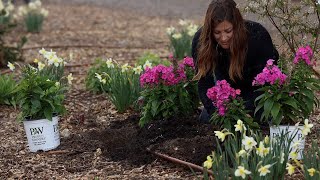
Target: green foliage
{"points": [[236, 110], [164, 102], [92, 83], [8, 52], [123, 88], [311, 160], [38, 96], [181, 39], [7, 88], [34, 22], [151, 58]]}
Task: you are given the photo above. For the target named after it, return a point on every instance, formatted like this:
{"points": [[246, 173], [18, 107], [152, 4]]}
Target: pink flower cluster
{"points": [[165, 75], [304, 54], [188, 61], [162, 75], [221, 94], [270, 74]]}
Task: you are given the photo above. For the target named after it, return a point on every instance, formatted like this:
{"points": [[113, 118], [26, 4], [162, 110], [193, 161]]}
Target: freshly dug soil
{"points": [[182, 138]]}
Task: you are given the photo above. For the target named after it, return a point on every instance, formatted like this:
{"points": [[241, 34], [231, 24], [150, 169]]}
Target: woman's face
{"points": [[223, 34]]}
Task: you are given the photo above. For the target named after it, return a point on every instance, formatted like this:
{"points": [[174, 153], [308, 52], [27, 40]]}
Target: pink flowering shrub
{"points": [[229, 106], [287, 99], [168, 91]]}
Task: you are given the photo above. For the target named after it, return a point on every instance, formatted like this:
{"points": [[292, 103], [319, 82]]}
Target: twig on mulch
{"points": [[178, 161]]}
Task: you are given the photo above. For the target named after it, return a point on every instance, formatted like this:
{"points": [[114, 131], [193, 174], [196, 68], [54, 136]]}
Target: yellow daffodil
{"points": [[192, 29], [11, 66], [36, 60], [266, 140], [104, 81], [293, 154], [240, 126], [261, 150], [222, 134], [208, 163], [70, 78], [311, 171], [306, 127], [57, 84], [241, 171], [290, 169], [264, 170], [248, 142], [147, 64], [138, 69]]}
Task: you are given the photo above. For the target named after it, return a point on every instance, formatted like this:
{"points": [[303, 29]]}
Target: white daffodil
{"points": [[36, 60], [282, 157], [1, 5], [208, 163], [241, 171], [9, 7], [296, 144], [192, 29], [242, 153], [109, 63], [248, 142], [32, 6], [261, 150], [44, 12], [57, 84], [147, 64], [177, 36], [22, 11], [40, 66], [11, 66], [70, 78], [42, 51], [98, 76], [37, 3], [55, 61], [183, 22], [170, 30], [124, 67], [138, 69], [222, 134], [306, 127], [290, 169], [311, 171], [264, 170], [240, 126]]}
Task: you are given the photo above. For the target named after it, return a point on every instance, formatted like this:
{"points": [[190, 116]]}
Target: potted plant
{"points": [[286, 100], [40, 98]]}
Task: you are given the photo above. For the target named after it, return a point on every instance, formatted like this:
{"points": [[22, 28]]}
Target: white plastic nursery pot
{"points": [[292, 130], [42, 134]]}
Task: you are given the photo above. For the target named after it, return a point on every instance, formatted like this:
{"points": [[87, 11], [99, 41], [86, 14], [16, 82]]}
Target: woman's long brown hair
{"points": [[217, 12]]}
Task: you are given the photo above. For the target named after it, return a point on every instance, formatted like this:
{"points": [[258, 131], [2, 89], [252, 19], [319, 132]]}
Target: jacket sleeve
{"points": [[204, 82]]}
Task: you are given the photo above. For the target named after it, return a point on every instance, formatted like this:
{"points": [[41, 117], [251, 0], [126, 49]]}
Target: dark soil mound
{"points": [[182, 138]]}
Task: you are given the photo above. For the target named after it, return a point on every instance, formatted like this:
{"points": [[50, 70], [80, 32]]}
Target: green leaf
{"points": [[268, 106], [291, 102], [275, 109]]}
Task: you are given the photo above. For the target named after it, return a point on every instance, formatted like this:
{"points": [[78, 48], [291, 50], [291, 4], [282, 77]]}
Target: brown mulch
{"points": [[88, 32]]}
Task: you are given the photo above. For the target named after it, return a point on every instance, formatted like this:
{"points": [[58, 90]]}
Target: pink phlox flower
{"points": [[270, 74], [221, 94], [188, 61], [303, 54]]}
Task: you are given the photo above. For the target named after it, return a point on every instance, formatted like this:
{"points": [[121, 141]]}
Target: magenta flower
{"points": [[303, 54], [188, 61], [221, 94], [270, 74]]}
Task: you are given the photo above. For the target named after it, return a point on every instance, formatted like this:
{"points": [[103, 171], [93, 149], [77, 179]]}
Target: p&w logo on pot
{"points": [[37, 130]]}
